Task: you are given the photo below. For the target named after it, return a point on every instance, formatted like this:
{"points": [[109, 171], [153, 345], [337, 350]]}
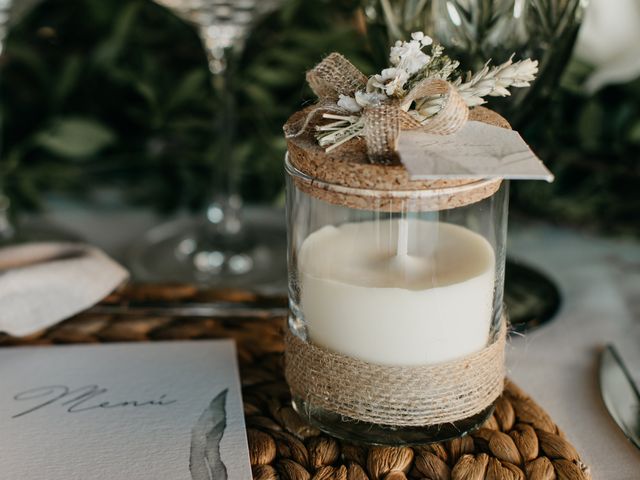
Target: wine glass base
{"points": [[37, 231], [191, 250]]}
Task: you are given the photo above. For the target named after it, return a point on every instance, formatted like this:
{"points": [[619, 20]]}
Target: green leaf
{"points": [[575, 75], [67, 80], [29, 59], [110, 49], [590, 125], [634, 133], [191, 87], [75, 138]]}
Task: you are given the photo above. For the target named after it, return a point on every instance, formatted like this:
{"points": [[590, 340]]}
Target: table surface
{"points": [[557, 364]]}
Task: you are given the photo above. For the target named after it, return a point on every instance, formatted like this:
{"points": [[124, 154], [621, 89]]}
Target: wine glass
{"points": [[7, 230], [474, 31], [225, 245]]}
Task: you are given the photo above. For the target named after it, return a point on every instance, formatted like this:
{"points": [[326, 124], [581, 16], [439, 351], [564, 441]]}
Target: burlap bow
{"points": [[336, 76]]}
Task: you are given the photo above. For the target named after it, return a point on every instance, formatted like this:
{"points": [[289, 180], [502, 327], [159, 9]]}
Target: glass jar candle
{"points": [[401, 278], [388, 279]]}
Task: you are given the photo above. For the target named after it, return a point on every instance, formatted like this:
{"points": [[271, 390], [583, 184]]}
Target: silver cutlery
{"points": [[620, 393], [213, 309]]}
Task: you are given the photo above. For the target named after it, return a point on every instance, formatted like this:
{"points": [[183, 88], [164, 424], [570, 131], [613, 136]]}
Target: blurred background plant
{"points": [[590, 135], [101, 97], [117, 94]]}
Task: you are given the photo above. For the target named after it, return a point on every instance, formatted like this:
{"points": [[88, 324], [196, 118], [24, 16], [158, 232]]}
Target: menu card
{"points": [[122, 411]]}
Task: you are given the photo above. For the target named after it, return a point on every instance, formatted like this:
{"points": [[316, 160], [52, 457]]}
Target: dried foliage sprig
{"points": [[411, 62]]}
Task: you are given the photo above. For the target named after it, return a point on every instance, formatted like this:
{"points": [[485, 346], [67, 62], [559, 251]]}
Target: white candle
{"points": [[429, 304]]}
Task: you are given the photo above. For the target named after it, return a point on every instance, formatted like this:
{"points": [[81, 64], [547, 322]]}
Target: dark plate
{"points": [[532, 299]]}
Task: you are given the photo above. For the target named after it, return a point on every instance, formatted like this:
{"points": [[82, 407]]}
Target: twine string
{"points": [[396, 395]]}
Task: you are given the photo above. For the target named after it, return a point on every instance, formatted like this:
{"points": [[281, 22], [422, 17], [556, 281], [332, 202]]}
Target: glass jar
{"points": [[397, 278]]}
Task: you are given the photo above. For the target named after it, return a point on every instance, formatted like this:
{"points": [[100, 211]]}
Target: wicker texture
{"points": [[520, 441]]}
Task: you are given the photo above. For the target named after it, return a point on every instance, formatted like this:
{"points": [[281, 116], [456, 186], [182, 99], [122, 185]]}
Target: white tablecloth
{"points": [[556, 364]]}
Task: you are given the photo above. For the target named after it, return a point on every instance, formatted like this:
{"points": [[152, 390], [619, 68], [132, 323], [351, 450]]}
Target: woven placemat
{"points": [[520, 441]]}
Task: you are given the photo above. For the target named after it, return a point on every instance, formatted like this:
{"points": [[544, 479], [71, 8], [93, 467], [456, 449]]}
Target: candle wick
{"points": [[402, 248]]}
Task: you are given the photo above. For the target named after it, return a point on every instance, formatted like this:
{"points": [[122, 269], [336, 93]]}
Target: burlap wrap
{"points": [[336, 76], [396, 396]]}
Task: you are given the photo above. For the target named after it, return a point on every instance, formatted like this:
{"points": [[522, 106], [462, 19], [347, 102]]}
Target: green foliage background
{"points": [[116, 94], [592, 145]]}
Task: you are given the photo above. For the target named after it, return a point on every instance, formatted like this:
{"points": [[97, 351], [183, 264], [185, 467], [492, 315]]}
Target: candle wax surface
{"points": [[431, 305]]}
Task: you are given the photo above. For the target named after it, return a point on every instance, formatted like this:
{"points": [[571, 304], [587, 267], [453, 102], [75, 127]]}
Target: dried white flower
{"points": [[518, 74], [370, 99], [411, 65], [427, 109], [396, 52], [422, 38], [391, 81], [489, 81], [494, 81], [409, 56], [349, 103]]}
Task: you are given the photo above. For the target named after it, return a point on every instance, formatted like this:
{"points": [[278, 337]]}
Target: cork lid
{"points": [[344, 176]]}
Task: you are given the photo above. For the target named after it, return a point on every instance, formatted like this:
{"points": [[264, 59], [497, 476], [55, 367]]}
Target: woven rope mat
{"points": [[520, 441]]}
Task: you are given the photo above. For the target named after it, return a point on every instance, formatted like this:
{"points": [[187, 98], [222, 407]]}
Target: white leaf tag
{"points": [[477, 150]]}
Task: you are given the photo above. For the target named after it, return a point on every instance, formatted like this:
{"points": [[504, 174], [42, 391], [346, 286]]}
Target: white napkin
{"points": [[44, 283]]}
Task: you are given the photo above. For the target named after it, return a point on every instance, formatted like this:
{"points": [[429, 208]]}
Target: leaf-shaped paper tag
{"points": [[477, 150], [205, 462]]}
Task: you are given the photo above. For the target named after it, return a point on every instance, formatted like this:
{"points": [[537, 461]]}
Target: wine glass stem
{"points": [[7, 231], [224, 208]]}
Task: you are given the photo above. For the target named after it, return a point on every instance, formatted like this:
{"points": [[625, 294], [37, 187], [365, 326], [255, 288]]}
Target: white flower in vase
{"points": [[609, 40]]}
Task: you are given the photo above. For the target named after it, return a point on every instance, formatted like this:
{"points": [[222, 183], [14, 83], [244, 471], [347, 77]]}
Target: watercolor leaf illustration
{"points": [[205, 462]]}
